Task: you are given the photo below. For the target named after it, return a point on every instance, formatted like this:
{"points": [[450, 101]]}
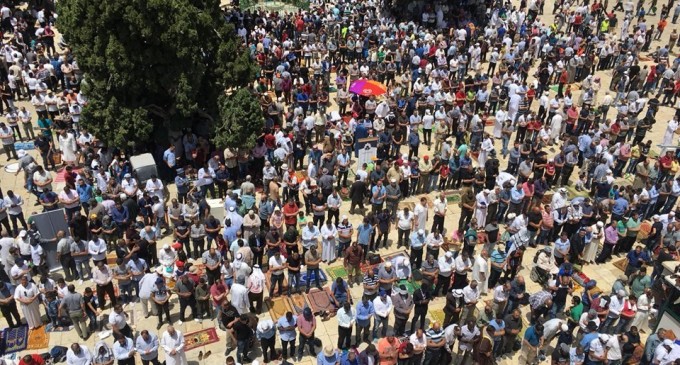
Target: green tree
{"points": [[152, 65], [241, 120]]}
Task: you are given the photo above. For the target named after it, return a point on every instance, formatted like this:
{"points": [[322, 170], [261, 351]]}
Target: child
{"points": [[53, 304], [581, 182], [301, 220], [90, 302]]}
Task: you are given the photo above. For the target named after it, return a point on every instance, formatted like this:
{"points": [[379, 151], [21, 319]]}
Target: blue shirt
{"points": [[364, 232], [587, 338], [417, 240], [84, 192], [531, 336], [169, 158], [121, 215], [322, 359], [620, 206], [364, 313], [288, 335], [634, 258], [516, 195], [497, 324]]}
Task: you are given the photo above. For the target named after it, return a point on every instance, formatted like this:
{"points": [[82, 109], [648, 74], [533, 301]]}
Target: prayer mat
{"points": [[322, 278], [339, 271], [38, 339], [411, 286], [320, 300], [13, 340], [394, 255], [621, 264], [437, 315], [574, 193], [278, 307], [405, 204], [299, 303], [50, 328], [200, 338], [60, 177], [453, 198], [268, 278]]}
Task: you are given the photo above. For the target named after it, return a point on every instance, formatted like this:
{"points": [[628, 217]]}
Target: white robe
{"points": [[670, 131], [176, 343], [328, 249], [480, 212], [239, 298], [501, 117], [31, 311], [556, 126], [487, 146], [481, 266], [67, 145]]}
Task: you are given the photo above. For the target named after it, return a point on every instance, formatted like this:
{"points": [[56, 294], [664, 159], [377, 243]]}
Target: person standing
{"points": [[28, 296], [421, 299], [306, 323], [287, 326], [172, 342], [74, 304], [124, 350], [346, 316], [244, 334], [64, 256], [266, 335], [185, 291], [8, 306], [403, 305], [147, 346], [161, 296], [103, 277], [7, 138]]}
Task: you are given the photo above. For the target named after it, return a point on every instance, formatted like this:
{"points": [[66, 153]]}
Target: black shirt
{"points": [[243, 331], [534, 217], [293, 263], [421, 299], [228, 314]]}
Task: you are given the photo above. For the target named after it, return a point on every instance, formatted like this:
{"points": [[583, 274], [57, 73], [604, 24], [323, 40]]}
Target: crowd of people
{"points": [[575, 182]]}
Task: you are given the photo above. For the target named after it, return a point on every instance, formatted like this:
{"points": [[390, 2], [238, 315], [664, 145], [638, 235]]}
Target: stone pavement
{"points": [[326, 331]]}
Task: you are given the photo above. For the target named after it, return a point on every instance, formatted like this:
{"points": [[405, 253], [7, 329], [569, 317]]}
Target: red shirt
{"points": [[37, 359], [666, 161], [216, 290], [292, 210], [270, 141]]}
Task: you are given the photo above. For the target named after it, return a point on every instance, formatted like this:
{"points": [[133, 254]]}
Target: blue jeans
{"points": [[125, 291], [377, 321], [504, 149], [276, 279], [317, 280], [242, 350], [294, 280], [556, 310]]}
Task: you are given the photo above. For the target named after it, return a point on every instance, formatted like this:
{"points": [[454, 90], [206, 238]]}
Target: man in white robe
{"points": [[172, 342], [482, 207], [239, 295]]}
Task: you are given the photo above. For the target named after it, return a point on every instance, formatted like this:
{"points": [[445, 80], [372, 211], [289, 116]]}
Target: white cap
{"points": [[393, 180], [166, 246], [21, 153], [604, 337], [421, 231], [563, 190], [344, 217], [656, 217], [448, 254], [23, 233]]}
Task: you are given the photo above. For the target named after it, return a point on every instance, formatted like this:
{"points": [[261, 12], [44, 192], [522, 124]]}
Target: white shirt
{"points": [[97, 249], [470, 295], [462, 265], [83, 358], [614, 348], [445, 266], [155, 188], [615, 305], [382, 309], [117, 320], [404, 221]]}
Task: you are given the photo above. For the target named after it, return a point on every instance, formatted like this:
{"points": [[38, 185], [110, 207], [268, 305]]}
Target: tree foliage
{"points": [[241, 120], [152, 64]]}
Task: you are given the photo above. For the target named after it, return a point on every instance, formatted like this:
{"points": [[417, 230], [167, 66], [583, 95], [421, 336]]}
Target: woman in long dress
{"points": [[67, 145], [172, 342], [590, 252], [27, 294], [329, 235]]}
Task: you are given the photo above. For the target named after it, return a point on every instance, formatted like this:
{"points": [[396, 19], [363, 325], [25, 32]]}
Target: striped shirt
{"points": [[435, 336], [370, 280]]}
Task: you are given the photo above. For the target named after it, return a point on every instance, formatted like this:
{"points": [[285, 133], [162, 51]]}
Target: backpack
{"points": [[58, 354]]}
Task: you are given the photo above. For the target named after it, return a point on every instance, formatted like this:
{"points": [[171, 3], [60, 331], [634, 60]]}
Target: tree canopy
{"points": [[152, 65], [241, 120]]}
